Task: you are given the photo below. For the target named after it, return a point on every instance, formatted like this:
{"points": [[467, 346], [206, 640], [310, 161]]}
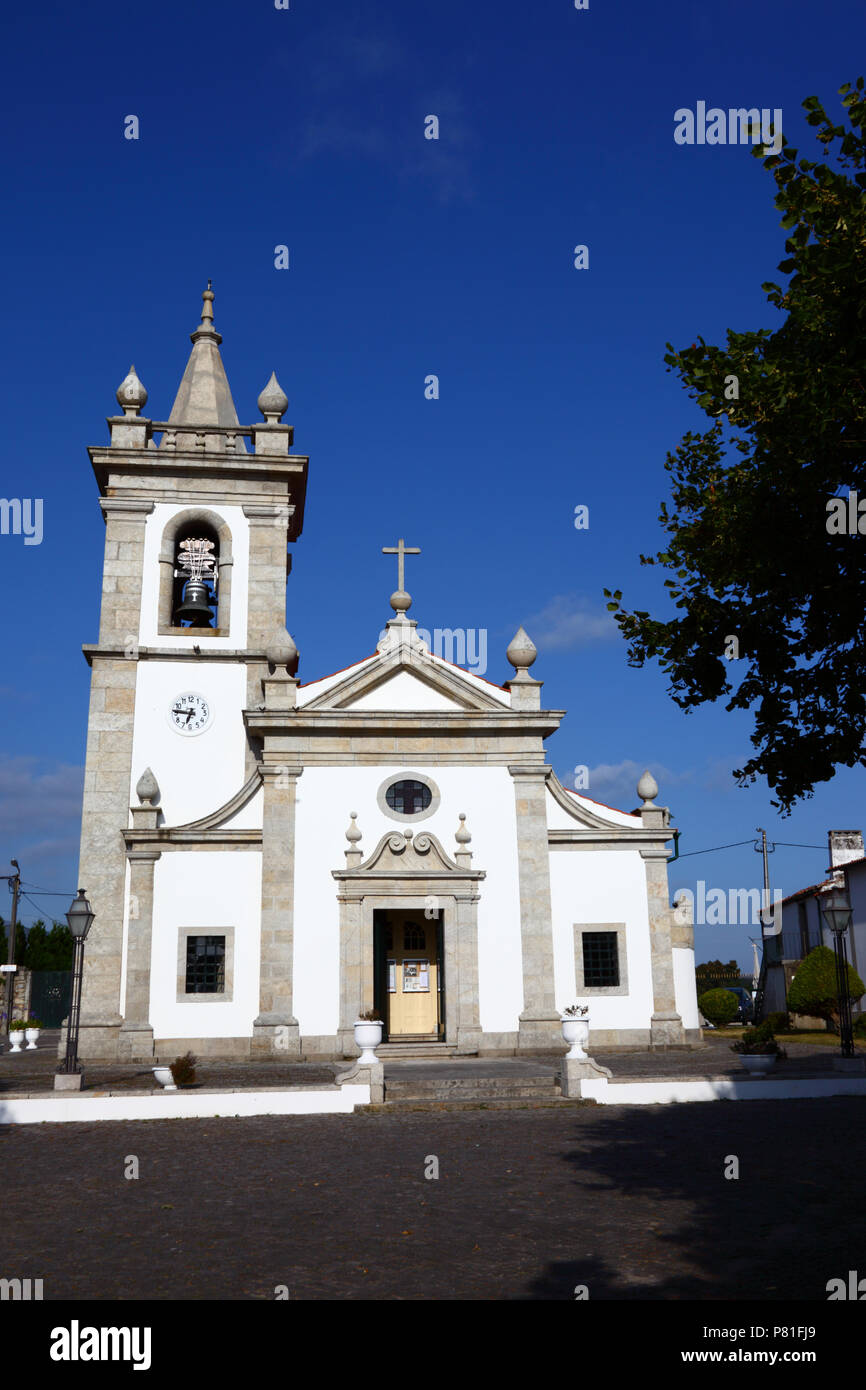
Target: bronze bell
{"points": [[196, 606]]}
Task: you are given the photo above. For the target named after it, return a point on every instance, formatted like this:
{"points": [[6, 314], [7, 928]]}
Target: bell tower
{"points": [[199, 511]]}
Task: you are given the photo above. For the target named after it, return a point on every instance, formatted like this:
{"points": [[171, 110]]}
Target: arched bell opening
{"points": [[195, 574], [195, 587]]}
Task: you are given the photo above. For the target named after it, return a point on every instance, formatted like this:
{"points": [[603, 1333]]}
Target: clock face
{"points": [[189, 713]]}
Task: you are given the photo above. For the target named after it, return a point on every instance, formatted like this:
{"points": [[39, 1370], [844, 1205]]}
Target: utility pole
{"points": [[15, 882], [767, 957]]}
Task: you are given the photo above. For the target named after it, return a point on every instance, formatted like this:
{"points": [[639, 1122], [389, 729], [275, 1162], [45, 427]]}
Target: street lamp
{"points": [[837, 913], [14, 881], [80, 918]]}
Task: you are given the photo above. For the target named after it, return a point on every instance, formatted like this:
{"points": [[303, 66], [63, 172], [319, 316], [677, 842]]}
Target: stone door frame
{"points": [[405, 876]]}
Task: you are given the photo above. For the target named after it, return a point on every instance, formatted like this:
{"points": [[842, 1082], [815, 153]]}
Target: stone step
{"points": [[394, 1107], [410, 1052], [469, 1087]]}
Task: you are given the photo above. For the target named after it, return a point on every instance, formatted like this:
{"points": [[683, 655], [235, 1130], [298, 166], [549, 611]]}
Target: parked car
{"points": [[746, 1010]]}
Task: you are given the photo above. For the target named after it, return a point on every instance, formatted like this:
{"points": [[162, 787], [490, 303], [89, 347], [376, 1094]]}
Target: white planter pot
{"points": [[164, 1077], [757, 1062], [368, 1035], [32, 1035], [16, 1038], [575, 1031]]}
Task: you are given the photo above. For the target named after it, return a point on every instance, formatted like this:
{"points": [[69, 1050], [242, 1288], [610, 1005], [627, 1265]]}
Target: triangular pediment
{"points": [[403, 690], [407, 680]]}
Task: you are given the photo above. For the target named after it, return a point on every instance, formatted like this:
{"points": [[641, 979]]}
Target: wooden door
{"points": [[411, 976]]}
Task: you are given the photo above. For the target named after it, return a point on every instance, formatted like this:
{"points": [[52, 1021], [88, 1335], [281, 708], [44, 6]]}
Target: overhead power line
{"points": [[787, 844]]}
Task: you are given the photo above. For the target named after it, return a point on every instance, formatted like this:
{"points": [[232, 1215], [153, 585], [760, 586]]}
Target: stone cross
{"points": [[400, 550]]}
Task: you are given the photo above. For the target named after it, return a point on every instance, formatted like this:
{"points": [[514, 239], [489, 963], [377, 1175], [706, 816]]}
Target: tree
{"points": [[813, 988], [716, 970], [20, 943], [719, 1006], [37, 947], [59, 948], [754, 569]]}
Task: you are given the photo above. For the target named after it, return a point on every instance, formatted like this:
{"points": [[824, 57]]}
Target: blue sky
{"points": [[261, 127]]}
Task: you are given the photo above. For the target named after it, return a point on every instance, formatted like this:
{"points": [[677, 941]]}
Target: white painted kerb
{"points": [[670, 1092], [81, 1109]]}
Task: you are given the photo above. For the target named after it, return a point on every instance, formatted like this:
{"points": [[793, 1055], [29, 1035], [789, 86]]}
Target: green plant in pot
{"points": [[183, 1070], [757, 1048]]}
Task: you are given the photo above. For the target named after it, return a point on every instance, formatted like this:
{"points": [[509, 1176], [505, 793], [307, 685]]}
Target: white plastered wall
{"points": [[685, 991], [326, 797], [209, 889], [601, 886], [155, 525], [198, 774]]}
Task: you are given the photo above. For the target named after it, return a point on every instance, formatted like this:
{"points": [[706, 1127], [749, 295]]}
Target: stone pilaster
{"points": [[539, 1025], [269, 530], [135, 1041], [356, 970], [275, 1031], [666, 1026], [108, 767], [468, 1011]]}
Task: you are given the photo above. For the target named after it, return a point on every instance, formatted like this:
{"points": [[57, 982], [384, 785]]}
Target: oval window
{"points": [[408, 798]]}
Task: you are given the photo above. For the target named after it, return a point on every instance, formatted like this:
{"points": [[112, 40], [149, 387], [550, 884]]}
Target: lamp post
{"points": [[80, 918], [14, 881], [837, 914]]}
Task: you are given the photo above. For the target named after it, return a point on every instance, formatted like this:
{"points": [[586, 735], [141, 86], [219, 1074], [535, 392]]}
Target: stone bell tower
{"points": [[238, 492]]}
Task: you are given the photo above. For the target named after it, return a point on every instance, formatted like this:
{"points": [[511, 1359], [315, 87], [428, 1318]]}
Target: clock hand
{"points": [[189, 713]]}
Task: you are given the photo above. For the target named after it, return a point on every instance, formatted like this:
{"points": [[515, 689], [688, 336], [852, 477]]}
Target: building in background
{"points": [[803, 924]]}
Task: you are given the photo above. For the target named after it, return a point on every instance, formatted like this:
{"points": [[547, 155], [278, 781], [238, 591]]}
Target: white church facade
{"points": [[269, 858]]}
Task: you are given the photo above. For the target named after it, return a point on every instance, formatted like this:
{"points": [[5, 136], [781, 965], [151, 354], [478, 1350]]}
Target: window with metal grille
{"points": [[408, 798], [600, 960], [205, 964], [414, 938]]}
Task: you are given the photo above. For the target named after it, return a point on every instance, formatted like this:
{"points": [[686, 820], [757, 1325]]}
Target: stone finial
{"points": [[131, 394], [647, 788], [521, 651], [461, 834], [273, 401], [147, 788], [281, 651], [400, 601], [353, 834], [207, 306]]}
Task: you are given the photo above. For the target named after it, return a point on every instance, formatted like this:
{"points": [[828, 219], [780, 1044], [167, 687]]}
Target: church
{"points": [[268, 857]]}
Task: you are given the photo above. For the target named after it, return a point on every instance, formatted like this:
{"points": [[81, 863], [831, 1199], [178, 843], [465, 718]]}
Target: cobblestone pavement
{"points": [[528, 1204]]}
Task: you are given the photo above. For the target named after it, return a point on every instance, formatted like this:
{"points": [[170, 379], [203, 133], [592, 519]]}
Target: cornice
{"points": [[402, 722], [111, 652]]}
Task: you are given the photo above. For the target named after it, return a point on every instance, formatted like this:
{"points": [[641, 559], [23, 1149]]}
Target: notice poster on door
{"points": [[416, 976]]}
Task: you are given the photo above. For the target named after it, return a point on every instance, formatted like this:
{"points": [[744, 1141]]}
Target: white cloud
{"points": [[570, 621], [615, 784], [37, 797]]}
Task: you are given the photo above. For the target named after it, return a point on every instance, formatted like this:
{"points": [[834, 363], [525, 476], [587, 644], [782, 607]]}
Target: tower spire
{"points": [[204, 396]]}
